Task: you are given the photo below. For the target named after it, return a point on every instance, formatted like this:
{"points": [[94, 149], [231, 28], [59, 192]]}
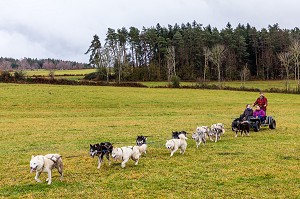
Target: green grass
{"points": [[41, 119], [263, 85], [79, 74], [43, 72]]}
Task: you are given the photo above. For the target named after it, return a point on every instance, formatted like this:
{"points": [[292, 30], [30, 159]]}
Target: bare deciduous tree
{"points": [[5, 65], [207, 54], [107, 60], [284, 58], [217, 55], [245, 72], [23, 64], [49, 65], [295, 53], [170, 63]]}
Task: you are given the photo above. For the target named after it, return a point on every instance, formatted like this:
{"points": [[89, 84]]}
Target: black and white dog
{"points": [[141, 142], [104, 148], [175, 134], [240, 126], [218, 125], [216, 132]]}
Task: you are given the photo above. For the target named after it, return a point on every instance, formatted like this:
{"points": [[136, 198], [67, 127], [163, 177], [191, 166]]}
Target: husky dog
{"points": [[141, 142], [206, 131], [46, 163], [125, 153], [240, 126], [220, 126], [174, 144], [175, 134], [216, 132], [104, 148], [199, 137]]}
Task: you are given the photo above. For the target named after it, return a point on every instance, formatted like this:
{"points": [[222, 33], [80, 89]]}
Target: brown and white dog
{"points": [[45, 163]]}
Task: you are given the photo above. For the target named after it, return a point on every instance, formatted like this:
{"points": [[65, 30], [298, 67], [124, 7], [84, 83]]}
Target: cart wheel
{"points": [[273, 124]]}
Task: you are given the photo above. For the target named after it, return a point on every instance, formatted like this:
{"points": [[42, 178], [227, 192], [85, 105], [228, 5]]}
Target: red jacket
{"points": [[262, 102]]}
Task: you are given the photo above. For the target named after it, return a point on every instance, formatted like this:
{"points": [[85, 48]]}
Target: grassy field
{"points": [[41, 119], [43, 72], [236, 84], [79, 74]]}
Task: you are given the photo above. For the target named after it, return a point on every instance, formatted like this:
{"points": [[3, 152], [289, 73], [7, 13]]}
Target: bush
{"points": [[99, 76], [51, 75], [5, 76], [175, 81], [19, 75]]}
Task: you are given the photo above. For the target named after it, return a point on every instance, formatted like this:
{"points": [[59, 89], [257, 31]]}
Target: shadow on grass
{"points": [[262, 179], [38, 188], [229, 153]]}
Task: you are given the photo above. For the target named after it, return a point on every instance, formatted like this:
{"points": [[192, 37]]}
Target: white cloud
{"points": [[63, 29]]}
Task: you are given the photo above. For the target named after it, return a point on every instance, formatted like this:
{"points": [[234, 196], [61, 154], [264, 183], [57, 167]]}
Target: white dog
{"points": [[143, 148], [174, 144], [46, 163], [125, 153]]}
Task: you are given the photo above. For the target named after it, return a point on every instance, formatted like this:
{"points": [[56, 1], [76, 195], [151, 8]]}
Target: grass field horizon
{"points": [[78, 75], [41, 119]]}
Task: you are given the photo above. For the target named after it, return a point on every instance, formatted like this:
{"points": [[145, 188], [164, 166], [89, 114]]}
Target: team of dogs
{"points": [[48, 162]]}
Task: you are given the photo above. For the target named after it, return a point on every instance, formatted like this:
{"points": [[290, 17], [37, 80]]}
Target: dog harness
{"points": [[122, 153]]}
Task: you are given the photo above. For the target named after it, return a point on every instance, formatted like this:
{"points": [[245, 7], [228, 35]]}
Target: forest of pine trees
{"points": [[193, 52]]}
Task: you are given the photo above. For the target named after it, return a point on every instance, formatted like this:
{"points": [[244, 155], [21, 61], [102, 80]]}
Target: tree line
{"points": [[9, 64], [194, 52]]}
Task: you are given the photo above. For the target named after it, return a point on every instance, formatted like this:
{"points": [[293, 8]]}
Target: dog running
{"points": [[206, 131], [240, 126], [125, 153], [141, 142], [199, 137], [104, 148], [174, 144], [220, 126], [45, 163]]}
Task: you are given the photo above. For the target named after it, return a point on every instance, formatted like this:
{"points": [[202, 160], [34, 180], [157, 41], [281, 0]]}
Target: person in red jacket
{"points": [[262, 102]]}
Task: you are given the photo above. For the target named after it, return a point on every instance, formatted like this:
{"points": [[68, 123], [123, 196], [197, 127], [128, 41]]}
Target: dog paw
{"points": [[38, 180]]}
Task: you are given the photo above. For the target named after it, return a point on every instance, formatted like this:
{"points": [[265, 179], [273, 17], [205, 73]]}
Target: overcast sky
{"points": [[63, 29]]}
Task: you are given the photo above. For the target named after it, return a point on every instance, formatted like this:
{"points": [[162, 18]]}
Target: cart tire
{"points": [[273, 124]]}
